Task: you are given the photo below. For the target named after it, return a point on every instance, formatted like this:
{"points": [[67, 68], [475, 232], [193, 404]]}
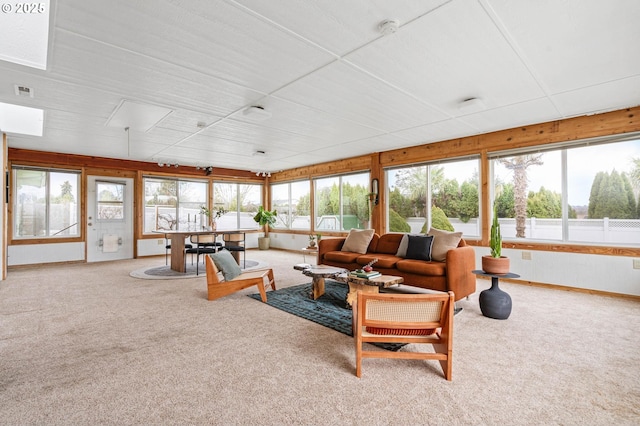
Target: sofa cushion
{"points": [[341, 256], [384, 260], [443, 241], [420, 267], [388, 243], [402, 248], [419, 247], [358, 240]]}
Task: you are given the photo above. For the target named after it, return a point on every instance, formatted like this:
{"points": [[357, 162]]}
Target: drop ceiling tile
{"points": [[573, 44], [525, 113], [599, 98], [142, 78], [349, 93], [339, 27], [436, 132], [301, 120], [451, 54], [202, 36]]}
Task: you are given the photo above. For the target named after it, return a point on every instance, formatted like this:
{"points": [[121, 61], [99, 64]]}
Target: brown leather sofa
{"points": [[454, 274]]}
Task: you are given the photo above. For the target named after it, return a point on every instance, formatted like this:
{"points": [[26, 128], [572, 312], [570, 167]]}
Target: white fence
{"points": [[597, 231]]}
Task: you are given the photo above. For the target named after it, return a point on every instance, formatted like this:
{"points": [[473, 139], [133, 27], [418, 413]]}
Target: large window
{"points": [[443, 196], [173, 203], [342, 202], [575, 193], [240, 201], [293, 204], [45, 203]]}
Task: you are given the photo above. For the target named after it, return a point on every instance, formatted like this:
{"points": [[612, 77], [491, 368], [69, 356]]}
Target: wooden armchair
{"points": [[404, 318], [217, 288]]}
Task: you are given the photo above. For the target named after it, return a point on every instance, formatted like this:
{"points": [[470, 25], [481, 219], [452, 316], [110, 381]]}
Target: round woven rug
{"points": [[166, 273]]}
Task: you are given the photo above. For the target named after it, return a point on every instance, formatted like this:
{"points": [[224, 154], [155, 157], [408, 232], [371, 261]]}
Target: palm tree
{"points": [[519, 165]]}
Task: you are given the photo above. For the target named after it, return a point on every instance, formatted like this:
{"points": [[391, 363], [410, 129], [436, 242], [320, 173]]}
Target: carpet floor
{"points": [[329, 310], [166, 273]]}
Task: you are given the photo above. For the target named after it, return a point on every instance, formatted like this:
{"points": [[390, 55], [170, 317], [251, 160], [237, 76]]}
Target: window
{"points": [[172, 203], [240, 201], [293, 204], [45, 203], [110, 201], [444, 196], [584, 192], [342, 202]]}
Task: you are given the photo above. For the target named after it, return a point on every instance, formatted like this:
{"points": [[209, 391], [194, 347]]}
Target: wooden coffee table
{"points": [[319, 273], [367, 285]]}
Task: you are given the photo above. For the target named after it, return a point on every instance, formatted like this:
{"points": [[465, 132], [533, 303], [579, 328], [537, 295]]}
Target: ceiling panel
{"points": [[450, 55], [574, 43], [202, 36], [339, 26], [347, 92], [333, 84]]}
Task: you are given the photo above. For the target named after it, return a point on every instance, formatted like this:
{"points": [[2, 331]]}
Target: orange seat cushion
{"points": [[402, 331]]}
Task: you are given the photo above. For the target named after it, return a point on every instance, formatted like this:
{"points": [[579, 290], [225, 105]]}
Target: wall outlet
{"points": [[526, 255], [636, 263], [160, 242]]}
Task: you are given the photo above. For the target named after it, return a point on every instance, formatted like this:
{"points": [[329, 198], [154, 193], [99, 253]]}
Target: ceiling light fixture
{"points": [[471, 105], [256, 113], [388, 26]]}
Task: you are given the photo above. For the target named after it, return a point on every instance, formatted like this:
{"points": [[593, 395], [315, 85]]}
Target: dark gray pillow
{"points": [[226, 264], [419, 247]]}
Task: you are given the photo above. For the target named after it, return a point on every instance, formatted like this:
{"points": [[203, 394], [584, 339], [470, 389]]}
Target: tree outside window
{"points": [[45, 203]]}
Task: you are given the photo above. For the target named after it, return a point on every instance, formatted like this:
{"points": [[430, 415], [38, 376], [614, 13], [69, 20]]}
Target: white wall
{"points": [[614, 274], [45, 253]]}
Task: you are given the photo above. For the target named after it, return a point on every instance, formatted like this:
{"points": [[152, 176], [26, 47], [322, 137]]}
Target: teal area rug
{"points": [[328, 310]]}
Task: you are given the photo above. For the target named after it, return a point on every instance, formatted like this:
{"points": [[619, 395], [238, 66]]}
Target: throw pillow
{"points": [[443, 241], [358, 240], [402, 248], [226, 264], [419, 247]]}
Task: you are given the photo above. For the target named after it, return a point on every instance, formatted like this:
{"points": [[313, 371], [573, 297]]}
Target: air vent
{"points": [[23, 91]]}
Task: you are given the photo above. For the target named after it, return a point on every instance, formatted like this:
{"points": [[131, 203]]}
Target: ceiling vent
{"points": [[23, 91], [256, 113]]}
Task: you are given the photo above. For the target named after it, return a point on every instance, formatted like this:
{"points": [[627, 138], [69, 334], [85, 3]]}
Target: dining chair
{"points": [[202, 244], [404, 318]]}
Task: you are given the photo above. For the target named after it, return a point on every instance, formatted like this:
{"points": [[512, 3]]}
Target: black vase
{"points": [[495, 303]]}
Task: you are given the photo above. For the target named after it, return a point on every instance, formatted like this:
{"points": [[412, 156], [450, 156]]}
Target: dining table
{"points": [[177, 237]]}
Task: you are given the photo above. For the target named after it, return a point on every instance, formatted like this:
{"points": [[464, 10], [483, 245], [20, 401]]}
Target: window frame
{"points": [[177, 180], [563, 148], [429, 189], [341, 215], [15, 238]]}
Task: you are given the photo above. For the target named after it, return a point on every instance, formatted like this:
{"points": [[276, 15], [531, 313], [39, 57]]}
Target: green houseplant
{"points": [[495, 263], [265, 218]]}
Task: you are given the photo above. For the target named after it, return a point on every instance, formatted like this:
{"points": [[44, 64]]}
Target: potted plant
{"points": [[312, 241], [495, 263], [212, 215], [265, 218]]}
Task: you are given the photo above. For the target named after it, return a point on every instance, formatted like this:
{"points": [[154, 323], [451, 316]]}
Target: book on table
{"points": [[362, 274]]}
